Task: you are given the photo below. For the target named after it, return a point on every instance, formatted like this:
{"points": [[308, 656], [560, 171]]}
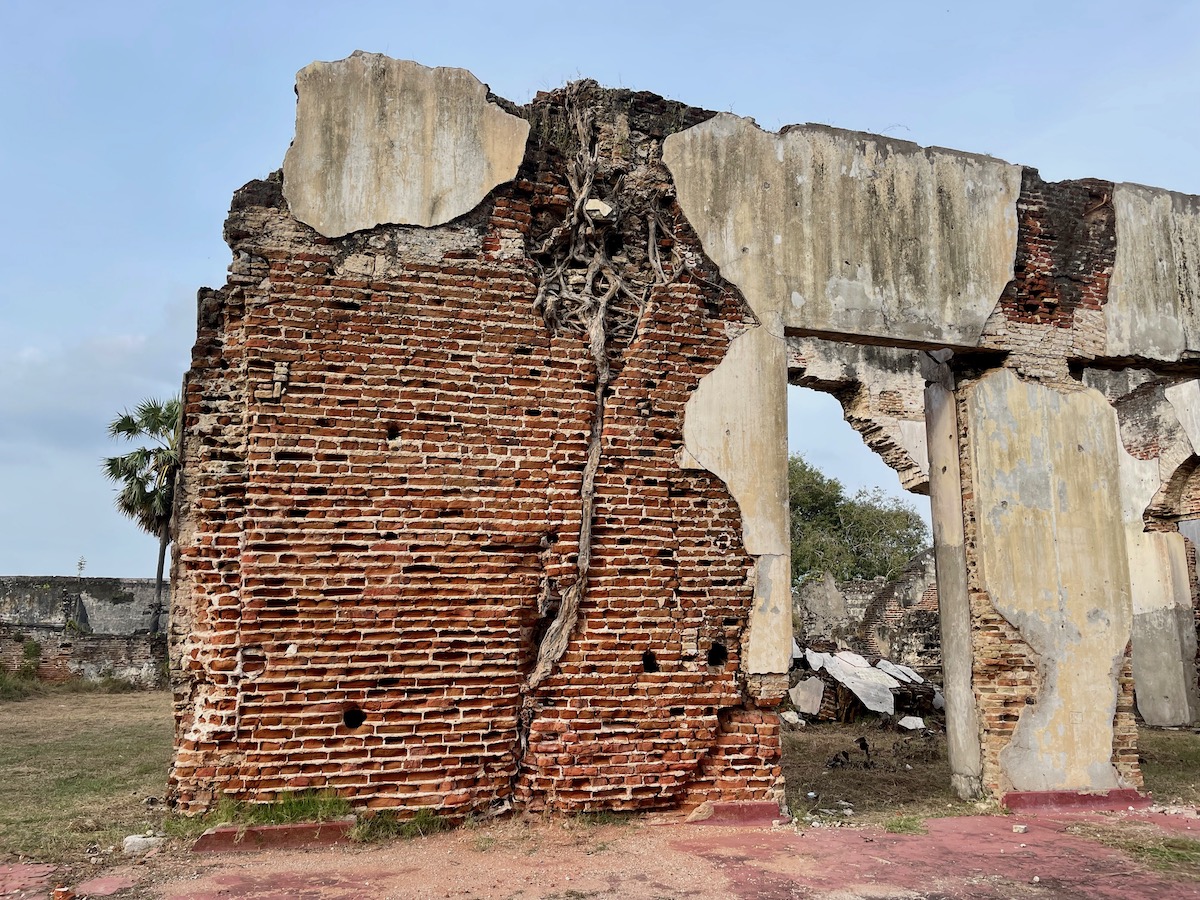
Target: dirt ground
{"points": [[979, 857], [108, 754]]}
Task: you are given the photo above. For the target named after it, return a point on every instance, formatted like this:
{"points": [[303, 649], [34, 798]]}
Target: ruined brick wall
{"points": [[901, 621], [384, 449], [1051, 313], [64, 654]]}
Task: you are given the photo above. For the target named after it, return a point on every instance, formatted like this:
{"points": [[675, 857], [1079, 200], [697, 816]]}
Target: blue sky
{"points": [[126, 127]]}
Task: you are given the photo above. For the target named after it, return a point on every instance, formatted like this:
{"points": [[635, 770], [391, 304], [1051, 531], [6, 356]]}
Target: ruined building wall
{"points": [[484, 486], [1048, 316], [385, 448]]}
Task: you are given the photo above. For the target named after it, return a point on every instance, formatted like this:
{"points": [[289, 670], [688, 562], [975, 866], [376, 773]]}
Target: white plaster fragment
{"points": [[386, 141]]}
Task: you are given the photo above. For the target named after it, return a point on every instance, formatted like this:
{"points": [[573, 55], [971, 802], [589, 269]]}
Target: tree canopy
{"points": [[865, 535], [146, 475]]}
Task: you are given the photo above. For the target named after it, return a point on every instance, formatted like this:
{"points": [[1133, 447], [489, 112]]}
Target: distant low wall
{"points": [[62, 654], [88, 628], [98, 605]]}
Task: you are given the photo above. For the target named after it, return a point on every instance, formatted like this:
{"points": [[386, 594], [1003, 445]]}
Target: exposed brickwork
{"points": [[63, 654], [1051, 312], [383, 453], [743, 763]]}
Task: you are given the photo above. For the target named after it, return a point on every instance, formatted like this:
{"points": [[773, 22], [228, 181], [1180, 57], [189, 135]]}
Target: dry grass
{"points": [[1173, 855], [908, 778], [1171, 764], [76, 768]]}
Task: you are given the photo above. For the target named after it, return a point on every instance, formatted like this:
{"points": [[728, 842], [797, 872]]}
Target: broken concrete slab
{"points": [[900, 672], [386, 141], [807, 695]]}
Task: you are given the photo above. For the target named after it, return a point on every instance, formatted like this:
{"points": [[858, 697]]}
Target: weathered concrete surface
{"points": [[954, 604], [821, 606], [1164, 628], [1160, 430], [386, 141], [1052, 558], [851, 234], [99, 605], [1151, 309]]}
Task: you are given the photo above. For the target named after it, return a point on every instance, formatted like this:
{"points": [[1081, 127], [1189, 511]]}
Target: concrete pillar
{"points": [[950, 556]]}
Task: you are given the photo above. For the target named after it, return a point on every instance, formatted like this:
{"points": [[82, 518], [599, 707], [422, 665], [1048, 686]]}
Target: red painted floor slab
{"points": [[301, 835], [25, 880], [1113, 801], [104, 886]]}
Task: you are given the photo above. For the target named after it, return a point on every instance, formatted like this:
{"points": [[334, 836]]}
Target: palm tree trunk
{"points": [[156, 615]]}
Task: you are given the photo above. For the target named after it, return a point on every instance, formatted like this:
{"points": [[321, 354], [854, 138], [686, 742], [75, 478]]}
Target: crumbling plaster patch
{"points": [[1150, 312], [387, 141], [735, 426], [851, 234], [1051, 546]]}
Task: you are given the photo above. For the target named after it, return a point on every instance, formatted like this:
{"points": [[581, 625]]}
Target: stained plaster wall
{"points": [[1158, 429], [418, 438]]}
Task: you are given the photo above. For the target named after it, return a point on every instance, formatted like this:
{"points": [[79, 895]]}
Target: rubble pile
{"points": [[843, 686]]}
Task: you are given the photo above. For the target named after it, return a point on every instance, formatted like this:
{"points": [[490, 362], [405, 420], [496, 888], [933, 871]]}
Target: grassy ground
{"points": [[1171, 764], [1173, 855], [906, 781], [76, 769]]}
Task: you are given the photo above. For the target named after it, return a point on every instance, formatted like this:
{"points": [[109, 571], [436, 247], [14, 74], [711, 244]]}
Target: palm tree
{"points": [[147, 476]]}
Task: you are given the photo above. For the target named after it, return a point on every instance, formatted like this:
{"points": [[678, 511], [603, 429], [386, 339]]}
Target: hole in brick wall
{"points": [[649, 662], [718, 655], [353, 717], [677, 710], [393, 432]]}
